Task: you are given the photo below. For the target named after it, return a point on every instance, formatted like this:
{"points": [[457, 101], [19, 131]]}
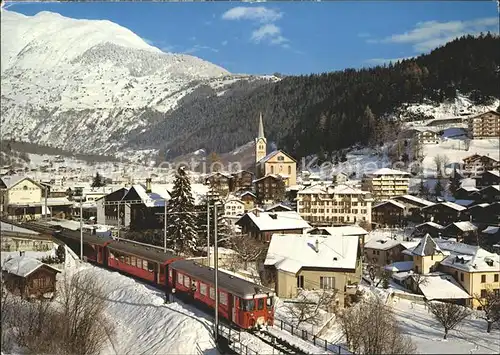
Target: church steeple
{"points": [[260, 142], [261, 128]]}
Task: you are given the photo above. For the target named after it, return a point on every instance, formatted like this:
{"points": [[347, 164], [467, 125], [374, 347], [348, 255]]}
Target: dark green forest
{"points": [[323, 113]]}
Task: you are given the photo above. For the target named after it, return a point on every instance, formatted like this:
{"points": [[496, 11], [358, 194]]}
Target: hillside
{"points": [[327, 112], [82, 85]]}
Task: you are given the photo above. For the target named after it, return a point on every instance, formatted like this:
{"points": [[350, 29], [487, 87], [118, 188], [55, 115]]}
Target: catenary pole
{"points": [[208, 233], [216, 277], [81, 227], [165, 227]]}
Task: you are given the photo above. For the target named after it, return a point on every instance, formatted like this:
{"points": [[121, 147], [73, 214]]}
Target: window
{"points": [[272, 169], [300, 281], [212, 293], [151, 267], [260, 304], [169, 271], [180, 279], [327, 282], [462, 276], [269, 302], [289, 170], [203, 289], [496, 277], [132, 261], [281, 158], [483, 293], [138, 263], [248, 305], [483, 279], [223, 298], [186, 281], [144, 264]]}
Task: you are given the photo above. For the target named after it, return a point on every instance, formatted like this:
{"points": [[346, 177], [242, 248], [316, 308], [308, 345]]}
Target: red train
{"points": [[241, 302]]}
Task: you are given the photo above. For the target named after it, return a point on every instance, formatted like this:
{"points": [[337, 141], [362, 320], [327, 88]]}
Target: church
{"points": [[277, 162]]}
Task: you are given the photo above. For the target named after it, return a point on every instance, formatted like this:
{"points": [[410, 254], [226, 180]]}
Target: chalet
{"points": [[479, 163], [444, 213], [433, 229], [278, 207], [485, 125], [383, 251], [426, 135], [234, 207], [491, 235], [297, 262], [110, 208], [481, 213], [270, 189], [466, 193], [442, 123], [342, 231], [241, 180], [463, 231], [262, 225], [29, 277], [219, 181], [340, 178], [488, 178], [147, 204], [490, 194], [388, 213], [249, 199], [413, 206]]}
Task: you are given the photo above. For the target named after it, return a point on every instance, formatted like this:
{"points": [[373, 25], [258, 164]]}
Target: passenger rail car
{"points": [[241, 302]]}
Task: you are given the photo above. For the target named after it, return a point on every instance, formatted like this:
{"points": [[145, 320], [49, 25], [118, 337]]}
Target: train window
{"points": [[203, 289], [132, 261], [138, 263], [186, 281], [223, 298], [270, 302], [170, 273], [151, 266], [212, 293], [248, 305], [122, 258], [144, 265], [127, 260], [111, 255], [260, 304], [180, 279]]}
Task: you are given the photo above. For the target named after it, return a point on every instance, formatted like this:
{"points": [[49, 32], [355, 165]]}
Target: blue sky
{"points": [[290, 38]]}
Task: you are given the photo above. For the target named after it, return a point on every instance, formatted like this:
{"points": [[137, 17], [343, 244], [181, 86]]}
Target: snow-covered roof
{"points": [[430, 224], [343, 230], [12, 180], [439, 286], [387, 171], [415, 199], [23, 266], [272, 154], [247, 193], [278, 205], [491, 230], [471, 258], [464, 226], [7, 227], [451, 205], [468, 182], [494, 172], [399, 266], [155, 198], [291, 252], [382, 243], [410, 244], [269, 221], [469, 188], [392, 202], [464, 203], [427, 246], [340, 189]]}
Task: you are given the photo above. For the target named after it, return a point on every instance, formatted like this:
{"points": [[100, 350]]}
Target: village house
{"points": [[241, 180], [340, 231], [109, 208], [413, 206], [426, 135], [234, 207], [388, 213], [476, 164], [249, 200], [262, 225], [325, 205], [304, 262], [463, 231], [488, 178], [277, 207], [29, 277], [426, 255], [485, 125], [270, 189], [490, 194], [275, 163], [466, 193], [386, 183], [481, 213], [383, 251], [444, 213], [435, 230], [220, 182]]}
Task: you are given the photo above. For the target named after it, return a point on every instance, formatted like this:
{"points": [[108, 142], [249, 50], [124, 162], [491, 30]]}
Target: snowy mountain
{"points": [[84, 84]]}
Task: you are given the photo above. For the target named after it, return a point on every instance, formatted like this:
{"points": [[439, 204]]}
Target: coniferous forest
{"points": [[322, 113]]}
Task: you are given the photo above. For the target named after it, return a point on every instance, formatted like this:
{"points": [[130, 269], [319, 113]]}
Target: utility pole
{"points": [[118, 219], [165, 228], [46, 207], [81, 227], [216, 269], [208, 232]]}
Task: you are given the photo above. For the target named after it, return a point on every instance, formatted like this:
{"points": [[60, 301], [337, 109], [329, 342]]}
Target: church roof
{"points": [[272, 154]]}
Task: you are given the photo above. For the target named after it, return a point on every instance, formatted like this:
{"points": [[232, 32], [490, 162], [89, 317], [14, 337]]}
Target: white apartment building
{"points": [[386, 183], [234, 207], [485, 125], [321, 204]]}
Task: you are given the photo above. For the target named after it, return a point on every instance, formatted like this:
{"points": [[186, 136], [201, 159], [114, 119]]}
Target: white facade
{"points": [[386, 183], [339, 204], [234, 207], [23, 192]]}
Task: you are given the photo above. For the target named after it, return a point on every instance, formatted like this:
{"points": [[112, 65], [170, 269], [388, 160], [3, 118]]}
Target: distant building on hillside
{"points": [[386, 183], [485, 125]]}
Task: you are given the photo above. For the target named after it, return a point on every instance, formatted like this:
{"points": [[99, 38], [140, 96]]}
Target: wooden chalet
{"points": [[481, 213], [29, 277], [480, 163], [489, 178], [463, 231], [413, 206], [270, 189], [445, 213], [433, 229], [220, 182], [466, 193], [241, 180], [110, 209], [388, 213], [490, 194], [249, 199]]}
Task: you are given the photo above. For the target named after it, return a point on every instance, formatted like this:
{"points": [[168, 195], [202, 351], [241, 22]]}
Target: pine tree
{"points": [[182, 236], [224, 231], [454, 184], [423, 190], [98, 181], [438, 189]]}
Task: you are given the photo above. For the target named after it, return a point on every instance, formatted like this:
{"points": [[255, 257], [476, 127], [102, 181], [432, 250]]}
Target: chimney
{"points": [[256, 212], [148, 185], [317, 246]]}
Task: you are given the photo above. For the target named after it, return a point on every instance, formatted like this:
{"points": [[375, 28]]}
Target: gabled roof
{"points": [[491, 230], [493, 172], [248, 193], [426, 247], [387, 171], [414, 199], [268, 176], [276, 205], [12, 180], [464, 226], [384, 243], [272, 154], [341, 230], [469, 188], [291, 252], [276, 221], [155, 198], [430, 224], [394, 203], [471, 258], [24, 266], [451, 205], [440, 286]]}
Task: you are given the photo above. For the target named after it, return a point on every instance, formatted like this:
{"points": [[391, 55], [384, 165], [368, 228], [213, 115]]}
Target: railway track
{"points": [[281, 345]]}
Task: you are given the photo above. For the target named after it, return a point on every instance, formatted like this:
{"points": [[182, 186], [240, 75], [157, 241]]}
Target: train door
{"points": [[234, 304]]}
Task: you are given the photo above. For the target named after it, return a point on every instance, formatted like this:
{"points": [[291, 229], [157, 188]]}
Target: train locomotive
{"points": [[242, 303]]}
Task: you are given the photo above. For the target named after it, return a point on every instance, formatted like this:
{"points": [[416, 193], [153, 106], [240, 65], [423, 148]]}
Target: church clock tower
{"points": [[260, 142]]}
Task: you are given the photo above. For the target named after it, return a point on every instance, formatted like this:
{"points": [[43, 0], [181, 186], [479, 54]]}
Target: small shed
{"points": [[29, 277]]}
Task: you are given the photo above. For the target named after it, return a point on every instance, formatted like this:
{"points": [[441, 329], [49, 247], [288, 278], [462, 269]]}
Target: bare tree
{"points": [[490, 305], [441, 161], [308, 310], [370, 327], [448, 314], [376, 271], [248, 248]]}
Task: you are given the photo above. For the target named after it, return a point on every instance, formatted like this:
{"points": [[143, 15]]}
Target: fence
{"points": [[311, 338], [233, 340]]}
